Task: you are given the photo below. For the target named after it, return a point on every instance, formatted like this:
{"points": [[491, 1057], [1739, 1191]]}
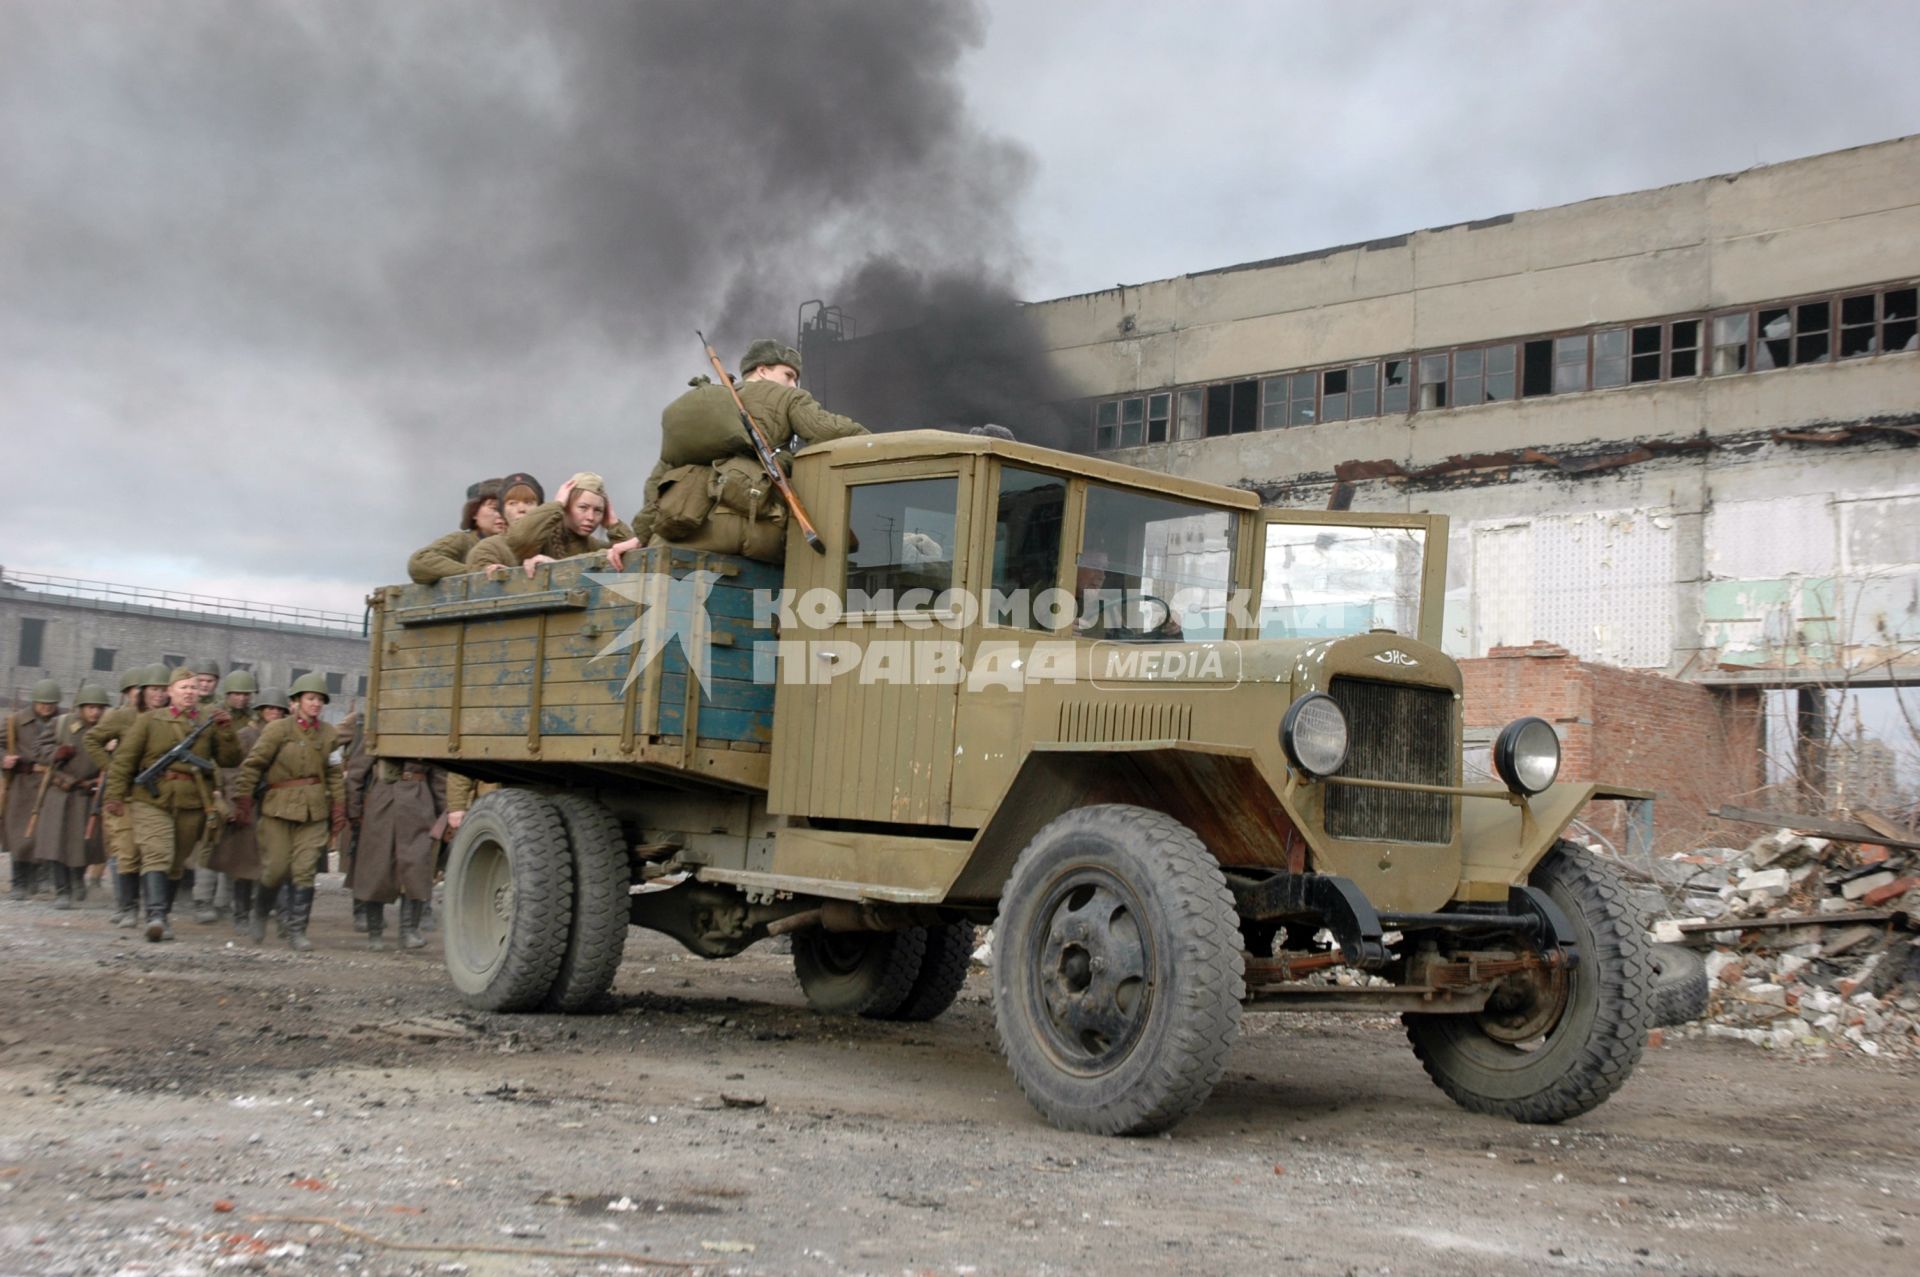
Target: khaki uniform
{"points": [[444, 558], [100, 741], [303, 785], [62, 835], [702, 426], [491, 551], [32, 738], [543, 530], [167, 826], [396, 804], [463, 790]]}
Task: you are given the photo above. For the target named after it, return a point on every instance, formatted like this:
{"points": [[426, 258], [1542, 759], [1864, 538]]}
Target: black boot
{"points": [[158, 892], [22, 880], [263, 897], [410, 915], [126, 899], [375, 914], [243, 906], [62, 886], [360, 922], [77, 879], [299, 909]]}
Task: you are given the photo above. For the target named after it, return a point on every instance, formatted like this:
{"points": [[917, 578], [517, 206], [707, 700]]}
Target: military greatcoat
{"points": [[62, 834], [31, 737]]}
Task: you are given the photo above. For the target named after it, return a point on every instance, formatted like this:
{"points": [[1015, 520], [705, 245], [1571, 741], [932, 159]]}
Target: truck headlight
{"points": [[1314, 734], [1527, 755]]}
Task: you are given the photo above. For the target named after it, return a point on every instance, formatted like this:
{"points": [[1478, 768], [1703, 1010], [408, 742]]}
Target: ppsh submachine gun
{"points": [[180, 755]]}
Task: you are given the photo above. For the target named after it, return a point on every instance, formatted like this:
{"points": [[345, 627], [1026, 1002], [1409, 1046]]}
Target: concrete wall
{"points": [[75, 627], [1748, 557]]}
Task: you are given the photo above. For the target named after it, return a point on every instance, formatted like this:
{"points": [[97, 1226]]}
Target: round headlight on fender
{"points": [[1527, 755], [1314, 734]]}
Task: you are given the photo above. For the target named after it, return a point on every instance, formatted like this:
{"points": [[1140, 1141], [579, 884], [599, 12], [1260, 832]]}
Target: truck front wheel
{"points": [[509, 901], [1551, 1049], [1117, 977]]}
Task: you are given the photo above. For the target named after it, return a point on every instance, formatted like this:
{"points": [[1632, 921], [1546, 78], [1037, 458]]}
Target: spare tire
{"points": [[1679, 985]]}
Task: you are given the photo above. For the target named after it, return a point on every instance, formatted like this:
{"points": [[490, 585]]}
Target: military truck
{"points": [[1191, 758]]}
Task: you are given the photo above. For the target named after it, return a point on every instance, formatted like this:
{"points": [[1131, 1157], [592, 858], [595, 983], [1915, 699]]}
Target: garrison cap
{"points": [[181, 674], [206, 665], [91, 694], [46, 692], [766, 352]]}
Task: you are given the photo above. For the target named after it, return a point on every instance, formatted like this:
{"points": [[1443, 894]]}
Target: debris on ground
{"points": [[1808, 933]]}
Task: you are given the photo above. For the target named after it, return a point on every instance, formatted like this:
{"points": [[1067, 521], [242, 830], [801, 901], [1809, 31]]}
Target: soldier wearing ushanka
{"points": [[305, 799]]}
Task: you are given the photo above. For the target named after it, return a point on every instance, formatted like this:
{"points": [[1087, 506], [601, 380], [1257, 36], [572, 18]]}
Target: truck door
{"points": [[874, 735]]}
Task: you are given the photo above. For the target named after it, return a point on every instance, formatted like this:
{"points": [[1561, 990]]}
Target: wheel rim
{"points": [[1091, 958], [1526, 1014], [841, 953], [485, 907]]}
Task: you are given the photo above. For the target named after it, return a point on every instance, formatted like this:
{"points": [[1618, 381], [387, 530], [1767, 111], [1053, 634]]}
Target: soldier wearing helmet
{"points": [[207, 670], [142, 686], [29, 746], [305, 799], [705, 448], [65, 841], [170, 817], [213, 884]]}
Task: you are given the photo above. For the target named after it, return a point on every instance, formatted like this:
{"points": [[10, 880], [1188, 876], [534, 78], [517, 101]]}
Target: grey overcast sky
{"points": [[279, 277]]}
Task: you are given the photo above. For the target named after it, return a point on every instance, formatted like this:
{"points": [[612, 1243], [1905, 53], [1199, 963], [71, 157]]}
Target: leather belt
{"points": [[289, 784], [407, 775], [182, 773]]}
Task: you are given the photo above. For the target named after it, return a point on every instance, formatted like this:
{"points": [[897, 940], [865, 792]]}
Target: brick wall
{"points": [[1696, 747]]}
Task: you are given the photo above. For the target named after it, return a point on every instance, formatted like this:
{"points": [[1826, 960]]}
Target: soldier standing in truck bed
{"points": [[168, 824], [28, 747], [709, 490], [62, 835], [480, 517], [305, 798]]}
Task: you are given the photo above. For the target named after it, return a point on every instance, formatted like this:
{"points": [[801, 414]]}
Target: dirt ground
{"points": [[206, 1106]]}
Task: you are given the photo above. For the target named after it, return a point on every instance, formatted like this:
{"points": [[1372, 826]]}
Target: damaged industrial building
{"points": [[1674, 431]]}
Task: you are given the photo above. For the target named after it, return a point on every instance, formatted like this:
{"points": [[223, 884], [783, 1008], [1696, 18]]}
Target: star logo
{"points": [[670, 608]]}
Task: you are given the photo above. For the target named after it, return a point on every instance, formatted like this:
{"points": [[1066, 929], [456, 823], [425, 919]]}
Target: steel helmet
{"points": [[155, 675], [92, 694], [45, 691], [274, 699], [310, 683], [131, 678], [239, 681]]}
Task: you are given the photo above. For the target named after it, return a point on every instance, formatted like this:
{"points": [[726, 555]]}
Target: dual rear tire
{"points": [[536, 902]]}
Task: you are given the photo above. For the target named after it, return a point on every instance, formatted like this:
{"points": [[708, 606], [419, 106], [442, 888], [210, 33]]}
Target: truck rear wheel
{"points": [[1117, 977], [868, 973], [601, 876], [943, 972], [1561, 1046], [509, 901]]}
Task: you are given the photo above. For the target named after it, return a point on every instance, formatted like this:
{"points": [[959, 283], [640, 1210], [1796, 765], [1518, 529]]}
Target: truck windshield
{"points": [[1153, 568], [1323, 580]]}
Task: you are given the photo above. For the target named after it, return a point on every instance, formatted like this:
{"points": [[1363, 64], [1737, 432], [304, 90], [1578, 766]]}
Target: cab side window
{"points": [[903, 539], [1026, 544]]}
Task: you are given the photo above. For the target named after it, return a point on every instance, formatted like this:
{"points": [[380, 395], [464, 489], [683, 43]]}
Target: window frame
{"points": [[901, 472]]}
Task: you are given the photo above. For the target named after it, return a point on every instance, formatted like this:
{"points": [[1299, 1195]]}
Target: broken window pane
{"points": [[1365, 380], [1433, 381], [1397, 376], [1246, 406], [1859, 325], [1132, 411], [1569, 364], [1729, 344], [1467, 366], [1897, 314], [1646, 353], [1500, 373], [1219, 409], [1333, 395], [1537, 373], [1159, 408], [1774, 347], [1189, 422], [1813, 342]]}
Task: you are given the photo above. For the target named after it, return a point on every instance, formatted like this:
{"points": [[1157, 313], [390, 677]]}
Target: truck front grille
{"points": [[1396, 733]]}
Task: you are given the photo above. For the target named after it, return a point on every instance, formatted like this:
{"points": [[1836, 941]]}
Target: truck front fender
{"points": [[1220, 792], [1501, 842]]}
